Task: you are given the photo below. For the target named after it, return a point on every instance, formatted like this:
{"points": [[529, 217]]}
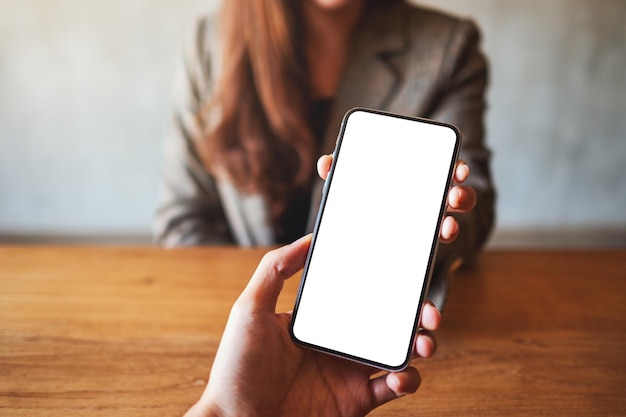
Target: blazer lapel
{"points": [[370, 78]]}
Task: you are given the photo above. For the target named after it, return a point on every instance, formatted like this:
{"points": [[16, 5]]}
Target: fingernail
{"points": [[305, 237]]}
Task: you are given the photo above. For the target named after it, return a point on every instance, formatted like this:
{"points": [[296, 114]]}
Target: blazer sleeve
{"points": [[189, 212], [463, 79]]}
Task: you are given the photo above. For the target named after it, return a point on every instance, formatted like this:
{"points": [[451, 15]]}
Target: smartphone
{"points": [[375, 238]]}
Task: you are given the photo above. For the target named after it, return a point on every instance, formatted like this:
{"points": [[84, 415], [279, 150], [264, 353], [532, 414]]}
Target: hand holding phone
{"points": [[375, 239]]}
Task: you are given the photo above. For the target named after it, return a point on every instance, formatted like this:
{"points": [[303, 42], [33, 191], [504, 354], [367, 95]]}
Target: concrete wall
{"points": [[84, 87], [557, 122]]}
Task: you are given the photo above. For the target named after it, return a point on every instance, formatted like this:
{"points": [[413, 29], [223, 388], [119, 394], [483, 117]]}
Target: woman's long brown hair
{"points": [[261, 138]]}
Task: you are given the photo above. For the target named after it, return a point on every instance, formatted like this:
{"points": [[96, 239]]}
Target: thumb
{"points": [[262, 291]]}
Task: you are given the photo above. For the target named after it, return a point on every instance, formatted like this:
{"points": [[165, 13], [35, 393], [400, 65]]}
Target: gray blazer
{"points": [[405, 59]]}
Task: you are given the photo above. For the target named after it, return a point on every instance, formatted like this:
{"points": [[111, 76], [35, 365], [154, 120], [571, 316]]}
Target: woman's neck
{"points": [[331, 23], [327, 35]]}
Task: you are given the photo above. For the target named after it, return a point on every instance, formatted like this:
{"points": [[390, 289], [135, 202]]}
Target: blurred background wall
{"points": [[84, 90]]}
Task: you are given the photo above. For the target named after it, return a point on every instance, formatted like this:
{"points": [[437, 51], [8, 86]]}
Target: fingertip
{"points": [[461, 172], [405, 382], [304, 240], [323, 165], [449, 229], [431, 317], [425, 346], [460, 195], [385, 388], [456, 197]]}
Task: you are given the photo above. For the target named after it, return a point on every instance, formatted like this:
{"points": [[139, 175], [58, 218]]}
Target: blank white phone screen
{"points": [[361, 289]]}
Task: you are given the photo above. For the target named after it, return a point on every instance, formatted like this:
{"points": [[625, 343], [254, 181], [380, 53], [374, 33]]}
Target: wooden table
{"points": [[99, 331]]}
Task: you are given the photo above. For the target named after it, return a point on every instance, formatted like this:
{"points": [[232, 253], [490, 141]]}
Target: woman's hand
{"points": [[258, 371], [461, 198]]}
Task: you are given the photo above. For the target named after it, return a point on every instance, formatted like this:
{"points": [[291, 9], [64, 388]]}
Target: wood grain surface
{"points": [[104, 331]]}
